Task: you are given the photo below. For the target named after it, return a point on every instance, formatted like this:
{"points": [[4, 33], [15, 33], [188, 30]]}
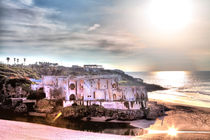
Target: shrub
{"points": [[37, 95]]}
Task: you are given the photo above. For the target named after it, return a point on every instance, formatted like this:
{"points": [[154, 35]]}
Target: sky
{"points": [[132, 35]]}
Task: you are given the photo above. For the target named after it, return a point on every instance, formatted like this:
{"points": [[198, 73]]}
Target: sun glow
{"points": [[170, 15], [171, 78], [172, 131]]}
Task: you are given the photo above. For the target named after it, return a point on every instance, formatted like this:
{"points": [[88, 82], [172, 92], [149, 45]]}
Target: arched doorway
{"points": [[94, 94], [143, 104], [72, 97], [114, 85], [114, 97]]}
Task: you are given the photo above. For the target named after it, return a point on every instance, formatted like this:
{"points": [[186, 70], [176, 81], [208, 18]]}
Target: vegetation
{"points": [[17, 71], [45, 68], [37, 95]]}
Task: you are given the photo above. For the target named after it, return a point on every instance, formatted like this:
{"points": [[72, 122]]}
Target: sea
{"points": [[185, 87]]}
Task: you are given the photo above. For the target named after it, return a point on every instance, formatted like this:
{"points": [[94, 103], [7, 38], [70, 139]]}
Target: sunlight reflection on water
{"points": [[192, 88], [171, 78]]}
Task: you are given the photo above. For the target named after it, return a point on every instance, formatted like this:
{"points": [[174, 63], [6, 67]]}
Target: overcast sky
{"points": [[114, 33]]}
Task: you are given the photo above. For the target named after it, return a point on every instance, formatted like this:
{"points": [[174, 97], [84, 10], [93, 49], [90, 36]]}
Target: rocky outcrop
{"points": [[22, 108], [155, 110], [77, 112], [129, 115], [45, 106], [97, 111], [153, 87]]}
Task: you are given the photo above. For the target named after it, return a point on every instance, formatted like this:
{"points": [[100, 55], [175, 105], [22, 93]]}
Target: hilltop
{"points": [[35, 71]]}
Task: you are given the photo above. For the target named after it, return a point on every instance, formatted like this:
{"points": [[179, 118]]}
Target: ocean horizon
{"points": [[186, 87]]}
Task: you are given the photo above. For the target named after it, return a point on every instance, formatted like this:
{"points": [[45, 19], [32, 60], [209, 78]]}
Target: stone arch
{"points": [[72, 97]]}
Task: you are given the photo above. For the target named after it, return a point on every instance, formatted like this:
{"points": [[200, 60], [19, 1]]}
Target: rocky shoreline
{"points": [[50, 109], [154, 111], [90, 118], [180, 116], [17, 97]]}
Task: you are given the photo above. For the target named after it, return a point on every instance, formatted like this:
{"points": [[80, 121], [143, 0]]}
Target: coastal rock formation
{"points": [[45, 106], [22, 108], [155, 110], [153, 87], [97, 111]]}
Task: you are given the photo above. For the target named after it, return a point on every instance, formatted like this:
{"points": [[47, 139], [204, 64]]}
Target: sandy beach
{"points": [[12, 130], [191, 122]]}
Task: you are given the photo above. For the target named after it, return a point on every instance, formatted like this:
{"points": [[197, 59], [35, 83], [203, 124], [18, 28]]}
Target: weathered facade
{"points": [[98, 89]]}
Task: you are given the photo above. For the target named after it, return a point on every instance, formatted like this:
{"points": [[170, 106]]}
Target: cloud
{"points": [[32, 27], [27, 2], [27, 30], [94, 27]]}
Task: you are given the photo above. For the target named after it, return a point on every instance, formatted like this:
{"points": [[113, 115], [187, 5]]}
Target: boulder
{"points": [[45, 106], [75, 112], [139, 114], [155, 110], [22, 108]]}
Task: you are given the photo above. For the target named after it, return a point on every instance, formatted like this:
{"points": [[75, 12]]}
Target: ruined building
{"points": [[104, 90]]}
